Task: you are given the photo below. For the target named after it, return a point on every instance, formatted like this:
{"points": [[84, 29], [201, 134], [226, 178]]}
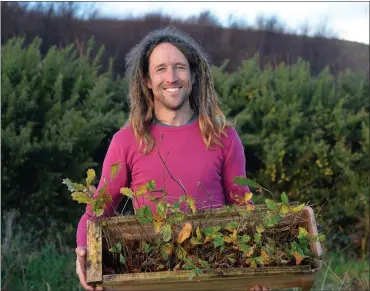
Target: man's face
{"points": [[169, 77]]}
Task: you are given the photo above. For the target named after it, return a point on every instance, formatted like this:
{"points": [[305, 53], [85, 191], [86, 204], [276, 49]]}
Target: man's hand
{"points": [[81, 270], [259, 288]]}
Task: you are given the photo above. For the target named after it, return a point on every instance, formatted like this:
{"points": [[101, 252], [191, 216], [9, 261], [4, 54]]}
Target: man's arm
{"points": [[114, 155], [234, 165]]}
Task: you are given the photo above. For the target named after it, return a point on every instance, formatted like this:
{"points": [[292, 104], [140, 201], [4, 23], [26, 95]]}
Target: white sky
{"points": [[349, 20]]}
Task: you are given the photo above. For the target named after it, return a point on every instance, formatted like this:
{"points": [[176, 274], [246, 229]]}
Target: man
{"points": [[174, 117]]}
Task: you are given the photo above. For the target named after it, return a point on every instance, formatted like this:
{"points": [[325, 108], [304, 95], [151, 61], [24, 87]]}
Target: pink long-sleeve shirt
{"points": [[188, 160]]}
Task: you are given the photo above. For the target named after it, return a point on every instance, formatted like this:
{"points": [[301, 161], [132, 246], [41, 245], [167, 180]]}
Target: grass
{"points": [[27, 264]]}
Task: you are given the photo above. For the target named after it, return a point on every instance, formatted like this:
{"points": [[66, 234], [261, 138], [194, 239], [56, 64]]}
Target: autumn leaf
{"points": [[127, 192], [199, 234], [246, 249], [191, 203], [141, 190], [162, 209], [260, 228], [194, 241], [252, 263], [184, 233], [237, 198], [265, 258], [166, 250], [90, 176], [81, 197], [298, 208], [114, 169], [250, 207], [151, 185], [247, 197], [232, 238], [181, 253], [157, 223], [284, 209], [302, 233], [298, 257]]}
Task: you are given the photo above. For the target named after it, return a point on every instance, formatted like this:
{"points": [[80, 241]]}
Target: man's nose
{"points": [[171, 76]]}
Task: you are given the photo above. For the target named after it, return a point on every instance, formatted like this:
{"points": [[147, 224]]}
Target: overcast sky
{"points": [[349, 20]]}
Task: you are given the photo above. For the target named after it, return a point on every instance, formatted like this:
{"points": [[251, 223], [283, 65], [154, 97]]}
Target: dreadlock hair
{"points": [[203, 98]]}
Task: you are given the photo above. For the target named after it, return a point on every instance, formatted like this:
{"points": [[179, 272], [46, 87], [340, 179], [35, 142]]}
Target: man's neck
{"points": [[174, 118]]}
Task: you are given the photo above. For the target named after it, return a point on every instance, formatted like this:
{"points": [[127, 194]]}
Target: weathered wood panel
{"points": [[94, 270]]}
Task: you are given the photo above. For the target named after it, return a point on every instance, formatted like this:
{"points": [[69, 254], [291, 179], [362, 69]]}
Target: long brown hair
{"points": [[203, 98]]}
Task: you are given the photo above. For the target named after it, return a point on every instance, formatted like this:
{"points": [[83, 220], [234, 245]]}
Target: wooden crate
{"points": [[219, 279]]}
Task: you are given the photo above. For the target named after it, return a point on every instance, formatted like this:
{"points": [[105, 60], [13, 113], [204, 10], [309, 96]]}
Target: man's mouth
{"points": [[172, 90]]}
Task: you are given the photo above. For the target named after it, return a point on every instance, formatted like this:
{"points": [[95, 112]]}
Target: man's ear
{"points": [[148, 82]]}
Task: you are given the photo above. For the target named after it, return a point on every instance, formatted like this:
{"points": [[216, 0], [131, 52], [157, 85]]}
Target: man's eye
{"points": [[180, 68], [160, 69]]}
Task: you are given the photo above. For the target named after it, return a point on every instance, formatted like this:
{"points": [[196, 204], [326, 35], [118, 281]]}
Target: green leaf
{"points": [[257, 238], [114, 169], [181, 199], [117, 248], [245, 248], [242, 181], [181, 253], [162, 209], [147, 248], [122, 259], [81, 197], [211, 230], [176, 217], [218, 241], [284, 198], [302, 233], [97, 206], [73, 187], [90, 176], [245, 238], [271, 204], [127, 192], [144, 214], [232, 226], [176, 205], [167, 232]]}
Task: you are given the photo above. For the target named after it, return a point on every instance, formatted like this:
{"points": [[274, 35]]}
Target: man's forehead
{"points": [[167, 53]]}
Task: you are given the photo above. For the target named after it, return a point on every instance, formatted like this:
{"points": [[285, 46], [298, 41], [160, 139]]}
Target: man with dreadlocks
{"points": [[175, 129]]}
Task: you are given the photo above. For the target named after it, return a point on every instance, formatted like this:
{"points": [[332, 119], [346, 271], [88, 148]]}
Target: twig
{"points": [[164, 163], [209, 195]]}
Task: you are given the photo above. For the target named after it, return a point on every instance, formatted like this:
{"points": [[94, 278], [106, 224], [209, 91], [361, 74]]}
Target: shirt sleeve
{"points": [[233, 166], [114, 155]]}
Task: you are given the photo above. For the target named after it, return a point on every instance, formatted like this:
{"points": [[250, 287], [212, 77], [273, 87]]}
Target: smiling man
{"points": [[174, 115]]}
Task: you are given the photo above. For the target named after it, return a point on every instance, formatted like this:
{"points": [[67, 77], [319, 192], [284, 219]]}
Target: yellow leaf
{"points": [[191, 203], [157, 223], [127, 192], [195, 241], [302, 232], [90, 176], [253, 265], [265, 257], [232, 238], [141, 190], [250, 207], [260, 228], [248, 196], [298, 208], [114, 169], [208, 238], [184, 233], [199, 234], [81, 197], [239, 200], [298, 257], [284, 209], [251, 251]]}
